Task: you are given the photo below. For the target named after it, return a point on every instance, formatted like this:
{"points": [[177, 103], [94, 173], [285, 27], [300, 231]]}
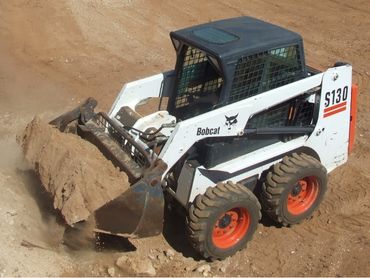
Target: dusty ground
{"points": [[53, 54]]}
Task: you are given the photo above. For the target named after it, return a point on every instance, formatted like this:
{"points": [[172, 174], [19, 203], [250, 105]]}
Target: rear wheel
{"points": [[294, 188], [222, 220]]}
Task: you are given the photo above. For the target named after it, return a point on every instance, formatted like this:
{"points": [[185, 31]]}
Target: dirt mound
{"points": [[74, 171]]}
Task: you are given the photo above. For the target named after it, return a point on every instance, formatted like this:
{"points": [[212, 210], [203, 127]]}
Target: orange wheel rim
{"points": [[230, 228], [303, 195]]}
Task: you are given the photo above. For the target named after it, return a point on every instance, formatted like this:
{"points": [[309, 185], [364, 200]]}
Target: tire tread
{"points": [[204, 205], [278, 179]]}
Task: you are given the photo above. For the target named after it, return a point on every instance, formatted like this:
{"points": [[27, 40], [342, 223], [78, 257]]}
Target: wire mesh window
{"points": [[198, 80], [297, 112], [274, 117], [265, 71]]}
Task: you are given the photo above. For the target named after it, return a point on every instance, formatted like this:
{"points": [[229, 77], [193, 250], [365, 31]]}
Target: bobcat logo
{"points": [[230, 121]]}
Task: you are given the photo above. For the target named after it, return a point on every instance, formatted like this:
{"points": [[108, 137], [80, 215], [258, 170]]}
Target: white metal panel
{"points": [[260, 155], [331, 135], [133, 92], [186, 132], [329, 139], [201, 183]]}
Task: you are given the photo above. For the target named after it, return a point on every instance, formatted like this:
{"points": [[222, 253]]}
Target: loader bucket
{"points": [[138, 212], [117, 181]]}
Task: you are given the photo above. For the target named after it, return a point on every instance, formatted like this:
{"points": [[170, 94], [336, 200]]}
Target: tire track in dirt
{"points": [[343, 203]]}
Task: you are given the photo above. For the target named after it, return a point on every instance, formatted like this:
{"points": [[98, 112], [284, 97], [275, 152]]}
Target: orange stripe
{"points": [[352, 125], [335, 107], [335, 112]]}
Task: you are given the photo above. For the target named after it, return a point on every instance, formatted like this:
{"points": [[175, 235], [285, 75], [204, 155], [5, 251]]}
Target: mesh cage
{"points": [[274, 117], [196, 78], [297, 112], [265, 71]]}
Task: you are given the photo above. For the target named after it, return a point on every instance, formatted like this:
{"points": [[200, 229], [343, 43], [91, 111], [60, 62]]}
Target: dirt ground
{"points": [[54, 54]]}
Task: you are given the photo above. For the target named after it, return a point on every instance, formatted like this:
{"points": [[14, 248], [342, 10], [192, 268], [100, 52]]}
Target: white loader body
{"points": [[329, 140]]}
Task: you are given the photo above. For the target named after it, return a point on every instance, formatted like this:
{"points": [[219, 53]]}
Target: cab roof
{"points": [[236, 36]]}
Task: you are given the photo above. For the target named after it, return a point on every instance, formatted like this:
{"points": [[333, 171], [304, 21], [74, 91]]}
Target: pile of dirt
{"points": [[75, 172]]}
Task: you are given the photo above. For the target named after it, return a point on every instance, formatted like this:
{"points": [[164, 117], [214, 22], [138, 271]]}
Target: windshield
{"points": [[198, 84]]}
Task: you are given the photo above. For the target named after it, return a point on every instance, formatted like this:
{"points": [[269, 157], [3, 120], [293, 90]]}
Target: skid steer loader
{"points": [[241, 125]]}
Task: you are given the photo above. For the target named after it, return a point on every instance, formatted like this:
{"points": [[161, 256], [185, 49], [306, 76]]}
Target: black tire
{"points": [[293, 189], [222, 220]]}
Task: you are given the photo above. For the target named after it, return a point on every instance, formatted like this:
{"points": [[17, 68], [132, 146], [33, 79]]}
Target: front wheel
{"points": [[223, 220]]}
